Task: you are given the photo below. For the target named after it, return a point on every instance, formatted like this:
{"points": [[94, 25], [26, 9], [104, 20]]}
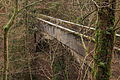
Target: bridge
{"points": [[77, 37]]}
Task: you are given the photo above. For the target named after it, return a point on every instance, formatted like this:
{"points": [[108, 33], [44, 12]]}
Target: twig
{"points": [[118, 78], [116, 25], [29, 5], [116, 28], [96, 5], [88, 14], [87, 70]]}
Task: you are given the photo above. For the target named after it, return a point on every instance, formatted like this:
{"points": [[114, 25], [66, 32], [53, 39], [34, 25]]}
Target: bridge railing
{"points": [[75, 28], [74, 25]]}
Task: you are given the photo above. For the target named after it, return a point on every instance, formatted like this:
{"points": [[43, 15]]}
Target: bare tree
{"points": [[6, 29]]}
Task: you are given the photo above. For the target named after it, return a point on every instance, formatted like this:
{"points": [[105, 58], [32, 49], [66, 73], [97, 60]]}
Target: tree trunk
{"points": [[5, 70], [6, 29], [104, 38]]}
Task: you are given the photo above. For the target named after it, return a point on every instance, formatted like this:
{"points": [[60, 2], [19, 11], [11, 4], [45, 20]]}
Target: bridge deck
{"points": [[69, 37]]}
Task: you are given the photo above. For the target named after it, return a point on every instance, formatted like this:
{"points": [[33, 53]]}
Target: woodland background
{"points": [[46, 59]]}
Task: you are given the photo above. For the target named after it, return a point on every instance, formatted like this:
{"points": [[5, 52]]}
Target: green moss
{"points": [[104, 39], [6, 29], [59, 67]]}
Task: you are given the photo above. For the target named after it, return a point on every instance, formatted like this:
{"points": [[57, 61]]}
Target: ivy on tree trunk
{"points": [[104, 38]]}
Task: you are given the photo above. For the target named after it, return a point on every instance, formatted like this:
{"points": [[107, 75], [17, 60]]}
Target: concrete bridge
{"points": [[73, 35]]}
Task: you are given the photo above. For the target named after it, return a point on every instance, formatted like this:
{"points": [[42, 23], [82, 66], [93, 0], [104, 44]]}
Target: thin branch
{"points": [[117, 22], [29, 5], [114, 28], [88, 14], [6, 29], [118, 78], [96, 5]]}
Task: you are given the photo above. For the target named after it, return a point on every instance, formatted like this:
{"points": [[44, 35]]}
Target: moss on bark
{"points": [[6, 29], [104, 39]]}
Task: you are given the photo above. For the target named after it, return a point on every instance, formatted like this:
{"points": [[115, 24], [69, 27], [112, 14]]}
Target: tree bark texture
{"points": [[104, 38], [6, 29]]}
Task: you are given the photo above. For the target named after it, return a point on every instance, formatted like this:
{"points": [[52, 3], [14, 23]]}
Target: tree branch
{"points": [[96, 5], [29, 5], [6, 29], [88, 14], [114, 28]]}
